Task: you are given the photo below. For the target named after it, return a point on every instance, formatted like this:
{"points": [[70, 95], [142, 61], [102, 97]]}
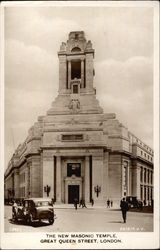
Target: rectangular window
{"points": [[75, 89], [145, 175], [148, 175], [141, 174], [151, 177], [74, 169], [75, 137], [145, 193], [76, 69], [141, 192], [125, 176], [148, 194]]}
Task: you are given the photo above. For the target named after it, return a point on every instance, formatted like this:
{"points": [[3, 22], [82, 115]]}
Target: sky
{"points": [[123, 41]]}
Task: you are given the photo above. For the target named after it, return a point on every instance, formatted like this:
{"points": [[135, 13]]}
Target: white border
{"points": [[149, 240]]}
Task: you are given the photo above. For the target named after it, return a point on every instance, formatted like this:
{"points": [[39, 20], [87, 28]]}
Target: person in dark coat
{"points": [[75, 203], [92, 202], [111, 203], [108, 203], [80, 203], [124, 209], [83, 204]]}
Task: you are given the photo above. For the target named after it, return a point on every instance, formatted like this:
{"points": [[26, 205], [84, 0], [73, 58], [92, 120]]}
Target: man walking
{"points": [[124, 209], [111, 203], [80, 203], [92, 202], [75, 203], [83, 204], [108, 203]]}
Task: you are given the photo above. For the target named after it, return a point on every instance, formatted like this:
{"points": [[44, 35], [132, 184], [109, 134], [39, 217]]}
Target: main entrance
{"points": [[73, 193]]}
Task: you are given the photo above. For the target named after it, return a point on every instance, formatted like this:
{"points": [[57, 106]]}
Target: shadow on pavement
{"points": [[34, 224], [115, 221]]}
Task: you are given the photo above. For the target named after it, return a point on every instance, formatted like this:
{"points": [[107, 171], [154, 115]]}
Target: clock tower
{"points": [[76, 74]]}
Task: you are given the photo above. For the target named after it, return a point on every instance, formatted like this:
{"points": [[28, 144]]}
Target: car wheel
{"points": [[51, 220]]}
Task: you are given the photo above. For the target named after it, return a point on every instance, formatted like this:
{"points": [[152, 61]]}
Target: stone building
{"points": [[77, 150]]}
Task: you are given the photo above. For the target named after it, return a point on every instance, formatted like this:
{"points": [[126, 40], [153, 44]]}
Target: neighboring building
{"points": [[76, 150]]}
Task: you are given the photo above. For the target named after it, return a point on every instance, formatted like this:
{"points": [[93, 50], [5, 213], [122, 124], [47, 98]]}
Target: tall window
{"points": [[151, 177], [141, 175], [76, 69], [148, 194], [141, 192], [144, 193], [144, 175], [148, 175], [75, 89], [125, 178], [74, 169]]}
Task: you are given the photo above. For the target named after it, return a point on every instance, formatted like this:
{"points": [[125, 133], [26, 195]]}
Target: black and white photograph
{"points": [[79, 125]]}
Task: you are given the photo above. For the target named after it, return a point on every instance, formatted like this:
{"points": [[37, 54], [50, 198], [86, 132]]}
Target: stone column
{"points": [[16, 184], [122, 190], [62, 73], [128, 179], [87, 191], [142, 192], [82, 73], [147, 195], [69, 74], [28, 180], [136, 181], [58, 180], [149, 192], [89, 71]]}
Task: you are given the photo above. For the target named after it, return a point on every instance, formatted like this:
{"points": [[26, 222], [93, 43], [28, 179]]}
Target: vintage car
{"points": [[34, 209], [133, 202]]}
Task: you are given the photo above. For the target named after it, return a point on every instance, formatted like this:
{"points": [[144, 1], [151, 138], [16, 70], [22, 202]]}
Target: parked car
{"points": [[134, 202], [34, 209]]}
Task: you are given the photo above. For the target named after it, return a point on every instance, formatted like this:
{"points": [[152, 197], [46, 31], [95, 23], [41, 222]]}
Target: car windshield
{"points": [[43, 203]]}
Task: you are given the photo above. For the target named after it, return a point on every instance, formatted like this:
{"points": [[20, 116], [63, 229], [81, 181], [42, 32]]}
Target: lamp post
{"points": [[47, 190], [97, 190]]}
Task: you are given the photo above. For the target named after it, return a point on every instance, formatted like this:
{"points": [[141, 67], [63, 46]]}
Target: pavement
{"points": [[91, 219]]}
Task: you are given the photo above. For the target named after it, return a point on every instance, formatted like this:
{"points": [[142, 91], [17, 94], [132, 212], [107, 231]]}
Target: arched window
{"points": [[76, 49]]}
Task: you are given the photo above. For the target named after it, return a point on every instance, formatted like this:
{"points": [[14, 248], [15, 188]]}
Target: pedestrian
{"points": [[14, 209], [111, 203], [53, 201], [75, 203], [80, 203], [124, 209], [144, 202], [83, 204], [108, 203], [92, 202]]}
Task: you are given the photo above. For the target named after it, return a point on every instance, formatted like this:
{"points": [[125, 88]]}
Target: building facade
{"points": [[76, 150]]}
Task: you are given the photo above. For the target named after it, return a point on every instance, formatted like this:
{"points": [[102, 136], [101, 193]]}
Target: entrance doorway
{"points": [[73, 193]]}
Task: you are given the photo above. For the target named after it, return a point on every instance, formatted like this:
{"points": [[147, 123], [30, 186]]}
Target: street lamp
{"points": [[97, 190], [47, 190]]}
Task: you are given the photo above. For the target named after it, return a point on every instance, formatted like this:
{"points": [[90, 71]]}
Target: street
{"points": [[89, 219]]}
